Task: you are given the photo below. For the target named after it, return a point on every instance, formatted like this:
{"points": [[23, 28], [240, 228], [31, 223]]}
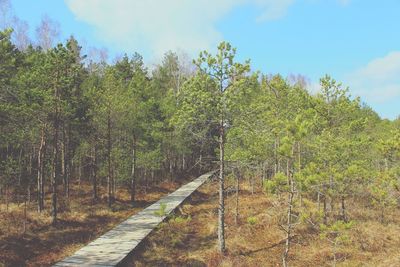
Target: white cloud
{"points": [[273, 9], [379, 80], [155, 26], [160, 25], [344, 2]]}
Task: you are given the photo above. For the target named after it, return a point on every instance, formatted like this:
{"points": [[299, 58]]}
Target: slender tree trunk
{"points": [[6, 196], [56, 167], [133, 171], [221, 210], [276, 156], [325, 211], [289, 224], [299, 169], [25, 216], [263, 167], [145, 180], [109, 180], [94, 171], [79, 166], [252, 184], [114, 183], [29, 194], [41, 167], [291, 185], [66, 162], [54, 182], [171, 172], [20, 166], [63, 173], [343, 209], [237, 200], [30, 171], [201, 161], [288, 170], [299, 155]]}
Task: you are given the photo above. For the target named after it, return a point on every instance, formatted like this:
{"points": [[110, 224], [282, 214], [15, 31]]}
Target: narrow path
{"points": [[112, 247]]}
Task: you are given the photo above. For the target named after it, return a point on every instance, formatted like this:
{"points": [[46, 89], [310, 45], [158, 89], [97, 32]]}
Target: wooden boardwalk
{"points": [[112, 247]]}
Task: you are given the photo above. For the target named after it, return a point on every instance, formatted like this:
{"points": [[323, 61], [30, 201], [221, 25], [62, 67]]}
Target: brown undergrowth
{"points": [[80, 220], [189, 237]]}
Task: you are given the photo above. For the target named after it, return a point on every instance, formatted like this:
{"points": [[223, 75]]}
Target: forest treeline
{"points": [[65, 118]]}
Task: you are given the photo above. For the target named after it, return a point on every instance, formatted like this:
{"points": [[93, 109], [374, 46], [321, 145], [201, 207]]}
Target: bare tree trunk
{"points": [[292, 192], [145, 180], [25, 216], [201, 161], [325, 211], [6, 196], [171, 172], [299, 169], [237, 200], [94, 172], [63, 159], [66, 162], [56, 154], [299, 155], [114, 183], [263, 167], [343, 209], [29, 194], [288, 171], [41, 168], [133, 171], [276, 156], [289, 223], [79, 170], [30, 171], [221, 210], [109, 182], [20, 166], [56, 171]]}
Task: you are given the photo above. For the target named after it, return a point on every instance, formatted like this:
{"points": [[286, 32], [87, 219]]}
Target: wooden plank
{"points": [[112, 247]]}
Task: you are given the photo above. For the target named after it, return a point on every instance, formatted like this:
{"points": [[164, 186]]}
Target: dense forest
{"points": [[66, 118]]}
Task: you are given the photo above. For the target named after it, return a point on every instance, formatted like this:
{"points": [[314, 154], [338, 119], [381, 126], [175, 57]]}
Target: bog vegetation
{"points": [[65, 117]]}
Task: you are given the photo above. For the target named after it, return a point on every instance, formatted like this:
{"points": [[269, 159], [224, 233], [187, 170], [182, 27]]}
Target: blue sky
{"points": [[355, 41]]}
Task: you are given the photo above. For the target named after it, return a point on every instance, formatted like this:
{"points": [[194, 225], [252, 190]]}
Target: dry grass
{"points": [[189, 237], [193, 242], [80, 221]]}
